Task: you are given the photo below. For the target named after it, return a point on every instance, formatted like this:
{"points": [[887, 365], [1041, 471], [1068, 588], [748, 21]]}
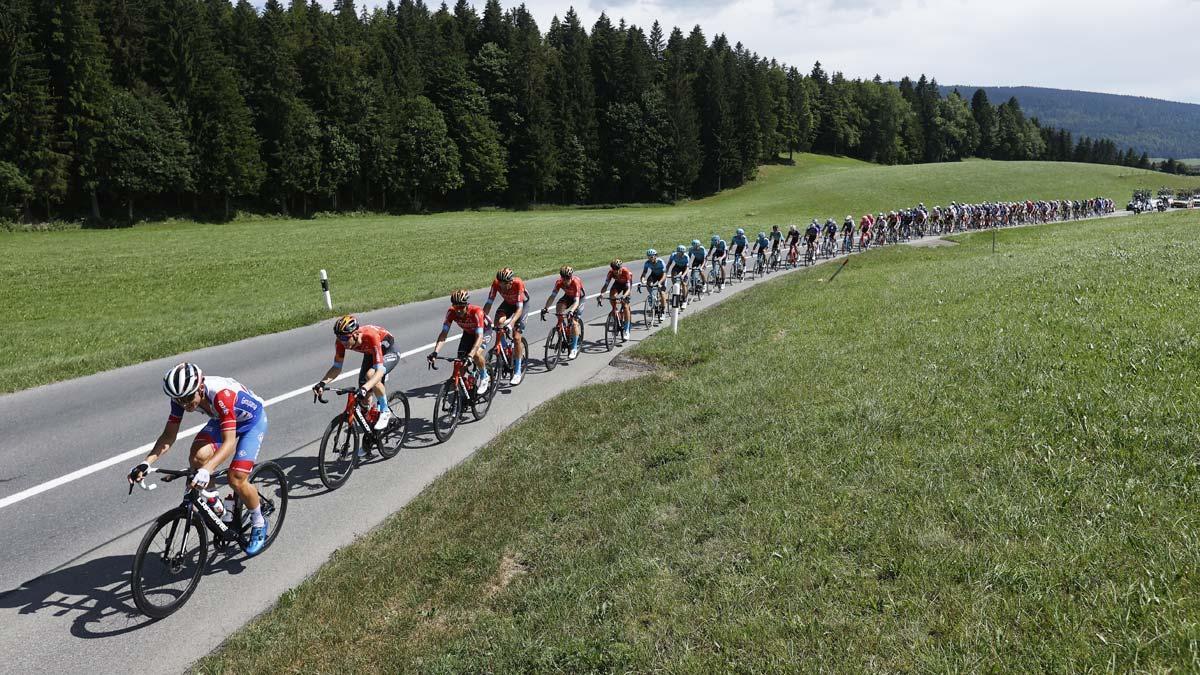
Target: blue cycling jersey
{"points": [[679, 259], [762, 242], [740, 240], [720, 246], [699, 252], [657, 268]]}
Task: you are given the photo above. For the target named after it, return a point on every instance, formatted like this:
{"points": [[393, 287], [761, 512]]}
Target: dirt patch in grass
{"points": [[511, 567]]}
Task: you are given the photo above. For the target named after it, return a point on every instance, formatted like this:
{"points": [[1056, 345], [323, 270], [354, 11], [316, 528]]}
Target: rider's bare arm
{"points": [[165, 440]]}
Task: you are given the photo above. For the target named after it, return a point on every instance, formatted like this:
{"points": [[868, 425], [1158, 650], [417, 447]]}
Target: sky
{"points": [[1143, 48]]}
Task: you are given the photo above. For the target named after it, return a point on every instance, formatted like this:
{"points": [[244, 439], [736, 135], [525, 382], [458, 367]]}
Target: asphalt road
{"points": [[66, 545]]}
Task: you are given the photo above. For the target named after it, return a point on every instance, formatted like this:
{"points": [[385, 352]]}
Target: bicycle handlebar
{"points": [[170, 475]]}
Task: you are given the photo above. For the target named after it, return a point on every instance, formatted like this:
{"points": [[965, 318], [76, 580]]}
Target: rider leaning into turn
{"points": [[471, 319], [511, 312], [571, 303], [237, 424], [621, 279], [378, 348]]}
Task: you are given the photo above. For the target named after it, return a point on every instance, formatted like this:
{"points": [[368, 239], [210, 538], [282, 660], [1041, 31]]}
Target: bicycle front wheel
{"points": [[447, 411], [339, 452], [169, 563], [481, 404], [612, 331], [553, 348], [397, 432]]}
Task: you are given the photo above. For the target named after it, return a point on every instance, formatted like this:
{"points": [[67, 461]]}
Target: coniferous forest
{"points": [[113, 109]]}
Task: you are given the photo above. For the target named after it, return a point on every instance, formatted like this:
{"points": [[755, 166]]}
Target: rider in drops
{"points": [[237, 424], [511, 312], [471, 319], [654, 271], [720, 253], [378, 348], [621, 279], [677, 266], [571, 303]]}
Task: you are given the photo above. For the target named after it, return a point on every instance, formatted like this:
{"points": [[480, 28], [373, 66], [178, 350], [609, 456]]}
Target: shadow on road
{"points": [[96, 591]]}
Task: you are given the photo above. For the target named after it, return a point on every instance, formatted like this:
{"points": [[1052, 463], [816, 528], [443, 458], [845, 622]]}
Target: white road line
{"points": [[185, 433]]}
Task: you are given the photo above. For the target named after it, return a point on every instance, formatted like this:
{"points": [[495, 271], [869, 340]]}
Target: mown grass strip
{"points": [[945, 460], [78, 302]]}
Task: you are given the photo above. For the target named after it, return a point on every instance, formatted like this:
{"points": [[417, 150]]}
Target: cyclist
{"points": [[761, 245], [696, 254], [379, 358], [829, 233], [653, 273], [776, 239], [571, 303], [847, 234], [810, 238], [236, 426], [864, 229], [621, 279], [793, 240], [511, 312], [472, 320], [677, 265], [720, 252], [739, 243]]}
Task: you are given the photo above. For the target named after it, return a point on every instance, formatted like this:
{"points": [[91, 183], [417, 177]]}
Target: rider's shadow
{"points": [[97, 591]]}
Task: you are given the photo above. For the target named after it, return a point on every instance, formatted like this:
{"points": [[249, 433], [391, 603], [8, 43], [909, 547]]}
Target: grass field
{"points": [[77, 302], [946, 460]]}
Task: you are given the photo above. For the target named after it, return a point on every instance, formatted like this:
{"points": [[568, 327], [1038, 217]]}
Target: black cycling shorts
{"points": [[390, 358], [618, 287], [507, 309]]}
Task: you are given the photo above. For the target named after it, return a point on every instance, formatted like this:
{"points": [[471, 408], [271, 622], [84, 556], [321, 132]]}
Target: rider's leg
{"points": [[628, 311]]}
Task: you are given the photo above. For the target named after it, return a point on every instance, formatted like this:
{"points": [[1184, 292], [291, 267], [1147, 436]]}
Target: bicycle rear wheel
{"points": [[272, 486], [169, 563], [447, 411], [553, 348], [339, 452], [397, 431]]}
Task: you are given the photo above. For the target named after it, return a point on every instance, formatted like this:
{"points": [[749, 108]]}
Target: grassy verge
{"points": [[946, 460], [78, 302]]}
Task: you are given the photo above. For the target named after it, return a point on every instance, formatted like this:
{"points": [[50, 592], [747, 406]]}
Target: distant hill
{"points": [[1160, 128]]}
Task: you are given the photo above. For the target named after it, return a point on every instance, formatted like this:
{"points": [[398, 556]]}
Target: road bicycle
{"points": [[775, 258], [652, 310], [810, 253], [614, 325], [174, 553], [715, 267], [793, 256], [696, 284], [558, 342], [501, 357], [760, 263], [828, 246], [848, 242], [351, 434], [457, 394], [739, 268]]}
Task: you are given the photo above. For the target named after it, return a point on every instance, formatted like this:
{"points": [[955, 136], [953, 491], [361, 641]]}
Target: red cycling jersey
{"points": [[572, 288], [472, 321], [371, 339], [620, 276], [515, 294]]}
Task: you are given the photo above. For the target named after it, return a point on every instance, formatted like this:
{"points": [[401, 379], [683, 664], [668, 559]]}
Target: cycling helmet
{"points": [[566, 271], [345, 325], [183, 380], [741, 231], [681, 249], [615, 264], [849, 217], [714, 239], [695, 242], [504, 275], [791, 228], [651, 253], [774, 228], [762, 235], [459, 297]]}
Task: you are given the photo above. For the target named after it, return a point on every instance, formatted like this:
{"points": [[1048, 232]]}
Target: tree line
{"points": [[203, 106]]}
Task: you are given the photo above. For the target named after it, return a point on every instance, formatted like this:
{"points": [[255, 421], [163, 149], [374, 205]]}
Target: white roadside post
{"points": [[325, 289], [675, 295]]}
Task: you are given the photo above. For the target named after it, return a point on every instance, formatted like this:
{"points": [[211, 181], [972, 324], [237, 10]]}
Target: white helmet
{"points": [[183, 380]]}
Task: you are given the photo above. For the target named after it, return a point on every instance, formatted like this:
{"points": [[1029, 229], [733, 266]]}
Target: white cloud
{"points": [[1144, 48]]}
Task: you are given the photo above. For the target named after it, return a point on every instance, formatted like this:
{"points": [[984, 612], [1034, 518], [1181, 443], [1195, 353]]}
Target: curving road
{"points": [[68, 530]]}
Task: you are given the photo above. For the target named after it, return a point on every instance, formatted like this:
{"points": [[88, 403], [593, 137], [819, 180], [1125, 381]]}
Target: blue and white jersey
{"points": [[720, 246], [655, 268], [740, 240], [698, 252], [678, 259]]}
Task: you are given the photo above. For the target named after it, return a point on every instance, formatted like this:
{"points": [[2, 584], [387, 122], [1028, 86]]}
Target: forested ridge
{"points": [[1160, 128], [201, 107]]}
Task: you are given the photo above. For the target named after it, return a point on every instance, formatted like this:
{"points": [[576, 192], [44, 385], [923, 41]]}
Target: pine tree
{"points": [[985, 119], [427, 160], [145, 150]]}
